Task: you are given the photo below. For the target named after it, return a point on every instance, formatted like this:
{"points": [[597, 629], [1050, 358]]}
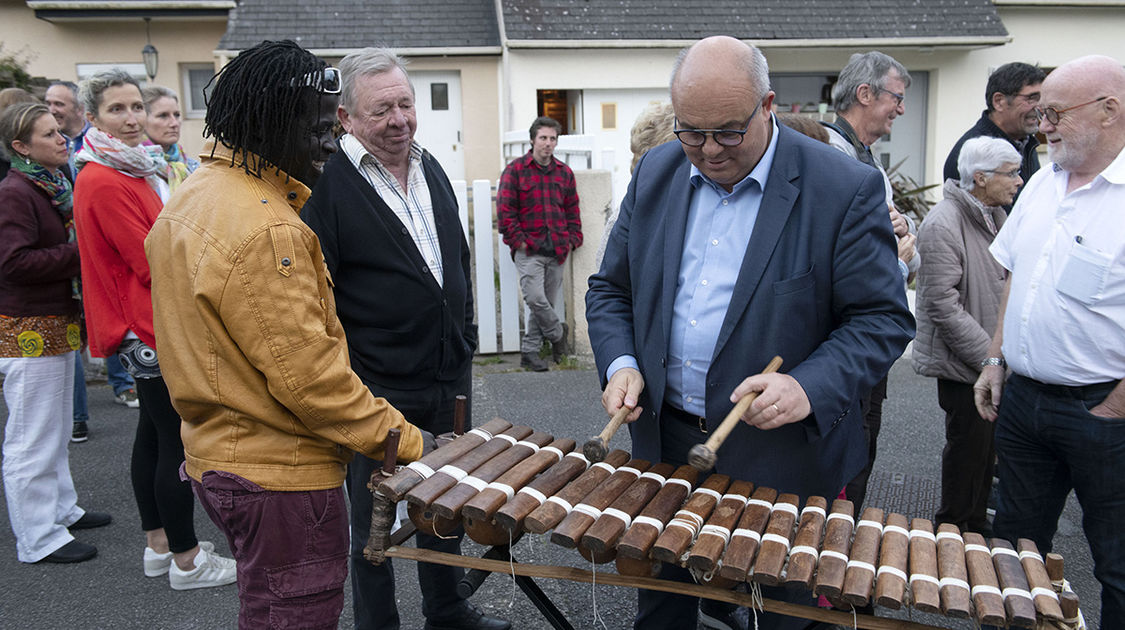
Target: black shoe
{"points": [[532, 362], [72, 552], [90, 520], [561, 348], [81, 432], [723, 616], [466, 616]]}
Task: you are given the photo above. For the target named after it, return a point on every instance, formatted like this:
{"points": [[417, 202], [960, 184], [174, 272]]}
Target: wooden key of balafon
{"points": [[556, 507], [504, 489], [776, 541], [953, 574], [859, 579], [650, 523], [1018, 602], [833, 562], [891, 578], [569, 531], [601, 538], [806, 545], [985, 589], [924, 585], [682, 529], [714, 537], [596, 448], [747, 536], [449, 504], [415, 472], [449, 475], [703, 456], [1046, 599], [533, 495]]}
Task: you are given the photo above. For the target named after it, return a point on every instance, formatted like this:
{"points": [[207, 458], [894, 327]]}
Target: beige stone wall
{"points": [[54, 48], [594, 195]]}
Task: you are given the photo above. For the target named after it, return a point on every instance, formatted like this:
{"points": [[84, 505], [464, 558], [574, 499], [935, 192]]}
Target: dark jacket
{"points": [[404, 330], [1029, 157], [36, 261], [818, 286]]}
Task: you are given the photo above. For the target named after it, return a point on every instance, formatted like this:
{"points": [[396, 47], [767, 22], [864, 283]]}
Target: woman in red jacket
{"points": [[119, 191], [39, 334]]}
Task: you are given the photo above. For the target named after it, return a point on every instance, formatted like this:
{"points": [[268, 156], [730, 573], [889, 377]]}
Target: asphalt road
{"points": [[112, 592]]}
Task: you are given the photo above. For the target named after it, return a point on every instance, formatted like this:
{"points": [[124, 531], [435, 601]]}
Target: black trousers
{"points": [[967, 461], [373, 586], [163, 499]]}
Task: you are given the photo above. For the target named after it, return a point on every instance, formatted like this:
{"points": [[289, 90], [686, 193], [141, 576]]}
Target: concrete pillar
{"points": [[595, 196]]}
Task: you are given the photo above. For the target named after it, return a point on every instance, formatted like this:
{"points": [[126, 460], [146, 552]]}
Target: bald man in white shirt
{"points": [[1060, 424]]}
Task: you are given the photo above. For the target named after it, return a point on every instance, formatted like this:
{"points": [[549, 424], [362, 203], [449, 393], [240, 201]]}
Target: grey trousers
{"points": [[540, 280]]}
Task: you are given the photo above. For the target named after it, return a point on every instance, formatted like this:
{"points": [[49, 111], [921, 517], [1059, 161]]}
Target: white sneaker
{"points": [[210, 569], [157, 564]]}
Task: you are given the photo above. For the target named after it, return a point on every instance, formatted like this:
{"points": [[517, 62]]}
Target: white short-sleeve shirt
{"points": [[1065, 318]]}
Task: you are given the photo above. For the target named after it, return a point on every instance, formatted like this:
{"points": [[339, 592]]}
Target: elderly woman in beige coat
{"points": [[959, 290]]}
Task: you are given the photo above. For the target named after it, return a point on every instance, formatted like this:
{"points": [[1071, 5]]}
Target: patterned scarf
{"points": [[138, 161], [58, 189], [177, 167]]}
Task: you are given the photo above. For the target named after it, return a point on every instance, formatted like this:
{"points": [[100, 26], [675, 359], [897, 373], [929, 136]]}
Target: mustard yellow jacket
{"points": [[248, 339]]}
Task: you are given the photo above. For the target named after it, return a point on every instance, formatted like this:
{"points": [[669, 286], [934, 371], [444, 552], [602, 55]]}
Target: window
{"points": [[609, 115], [194, 77], [439, 97]]}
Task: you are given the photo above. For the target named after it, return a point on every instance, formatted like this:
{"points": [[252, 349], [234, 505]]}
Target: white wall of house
{"points": [[952, 102]]}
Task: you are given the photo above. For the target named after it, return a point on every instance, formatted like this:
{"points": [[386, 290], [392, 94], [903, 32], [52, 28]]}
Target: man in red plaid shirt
{"points": [[537, 205]]}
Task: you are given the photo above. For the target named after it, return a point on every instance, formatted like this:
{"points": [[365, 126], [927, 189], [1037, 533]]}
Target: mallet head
{"points": [[701, 458], [595, 449]]}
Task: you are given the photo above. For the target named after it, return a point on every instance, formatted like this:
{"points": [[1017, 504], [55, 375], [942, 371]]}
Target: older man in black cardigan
{"points": [[387, 220]]}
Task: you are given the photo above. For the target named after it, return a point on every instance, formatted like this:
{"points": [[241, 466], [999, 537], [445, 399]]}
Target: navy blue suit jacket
{"points": [[819, 285]]}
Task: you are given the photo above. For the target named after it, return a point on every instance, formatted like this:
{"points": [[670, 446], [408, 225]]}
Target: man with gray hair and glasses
{"points": [[387, 220], [869, 94], [1011, 97]]}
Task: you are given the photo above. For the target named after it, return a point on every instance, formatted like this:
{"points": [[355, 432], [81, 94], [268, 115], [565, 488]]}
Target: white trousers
{"points": [[39, 392]]}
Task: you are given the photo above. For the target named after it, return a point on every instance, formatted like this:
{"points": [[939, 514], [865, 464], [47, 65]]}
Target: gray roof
{"points": [[762, 20], [349, 24]]}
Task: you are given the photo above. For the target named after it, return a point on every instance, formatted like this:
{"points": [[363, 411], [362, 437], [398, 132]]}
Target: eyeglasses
{"points": [[899, 98], [1053, 115], [326, 81], [1012, 173], [723, 137]]}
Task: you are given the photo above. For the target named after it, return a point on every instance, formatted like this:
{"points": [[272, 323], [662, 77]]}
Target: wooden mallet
{"points": [[596, 448], [702, 456]]}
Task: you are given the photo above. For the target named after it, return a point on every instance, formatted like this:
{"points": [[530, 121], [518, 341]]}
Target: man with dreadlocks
{"points": [[250, 344]]}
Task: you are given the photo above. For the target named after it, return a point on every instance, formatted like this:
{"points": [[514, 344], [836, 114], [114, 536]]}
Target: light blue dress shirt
{"points": [[718, 230]]}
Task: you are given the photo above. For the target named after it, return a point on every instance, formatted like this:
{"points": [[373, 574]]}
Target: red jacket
{"points": [[113, 213]]}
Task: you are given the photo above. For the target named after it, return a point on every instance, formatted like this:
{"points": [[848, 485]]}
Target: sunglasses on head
{"points": [[326, 81]]}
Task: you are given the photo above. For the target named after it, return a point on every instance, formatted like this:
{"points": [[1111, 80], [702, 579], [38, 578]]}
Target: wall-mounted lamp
{"points": [[149, 54]]}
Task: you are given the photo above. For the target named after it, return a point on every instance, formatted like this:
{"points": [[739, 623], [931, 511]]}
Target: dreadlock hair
{"points": [[256, 102]]}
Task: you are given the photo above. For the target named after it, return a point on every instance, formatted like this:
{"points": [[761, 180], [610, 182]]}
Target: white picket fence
{"points": [[498, 304]]}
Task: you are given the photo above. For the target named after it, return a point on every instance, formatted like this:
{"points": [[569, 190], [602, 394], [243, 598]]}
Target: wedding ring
{"points": [[775, 408]]}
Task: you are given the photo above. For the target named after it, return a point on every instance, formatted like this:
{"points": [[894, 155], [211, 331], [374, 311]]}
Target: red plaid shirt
{"points": [[537, 206]]}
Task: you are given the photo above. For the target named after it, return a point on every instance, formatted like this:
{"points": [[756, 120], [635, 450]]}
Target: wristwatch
{"points": [[994, 361]]}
